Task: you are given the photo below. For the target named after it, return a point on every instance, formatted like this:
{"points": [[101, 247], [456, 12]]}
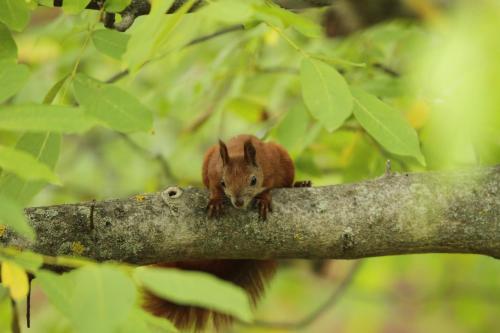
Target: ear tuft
{"points": [[250, 153], [223, 152]]}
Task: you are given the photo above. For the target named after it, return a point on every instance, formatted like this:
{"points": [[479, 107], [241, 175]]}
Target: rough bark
{"points": [[457, 212]]}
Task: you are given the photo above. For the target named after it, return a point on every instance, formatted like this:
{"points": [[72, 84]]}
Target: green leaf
{"points": [[15, 14], [5, 311], [51, 95], [140, 49], [74, 6], [40, 117], [116, 107], [25, 165], [386, 125], [95, 298], [142, 321], [228, 11], [272, 13], [110, 42], [12, 78], [291, 131], [325, 93], [116, 6], [196, 288], [45, 147], [58, 289], [12, 215], [8, 48], [30, 261]]}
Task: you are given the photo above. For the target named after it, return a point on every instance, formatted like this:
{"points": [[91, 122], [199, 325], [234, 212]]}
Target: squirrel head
{"points": [[242, 178]]}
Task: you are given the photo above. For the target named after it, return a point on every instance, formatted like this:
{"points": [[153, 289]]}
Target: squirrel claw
{"points": [[264, 206], [214, 208], [303, 183]]}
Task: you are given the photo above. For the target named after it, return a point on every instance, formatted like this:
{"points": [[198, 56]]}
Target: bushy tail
{"points": [[251, 275]]}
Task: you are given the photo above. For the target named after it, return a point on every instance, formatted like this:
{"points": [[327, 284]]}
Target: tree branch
{"points": [[456, 212]]}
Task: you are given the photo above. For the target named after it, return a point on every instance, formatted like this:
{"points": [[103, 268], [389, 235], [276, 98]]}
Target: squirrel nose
{"points": [[238, 202]]}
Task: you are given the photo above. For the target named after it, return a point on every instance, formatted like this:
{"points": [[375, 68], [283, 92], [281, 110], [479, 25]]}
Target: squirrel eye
{"points": [[253, 181], [222, 183]]}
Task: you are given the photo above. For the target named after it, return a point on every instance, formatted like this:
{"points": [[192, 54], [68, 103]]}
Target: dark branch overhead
{"points": [[457, 212]]}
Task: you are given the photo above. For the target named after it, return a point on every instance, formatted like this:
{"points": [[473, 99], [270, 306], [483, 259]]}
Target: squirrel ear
{"points": [[223, 152], [250, 153]]}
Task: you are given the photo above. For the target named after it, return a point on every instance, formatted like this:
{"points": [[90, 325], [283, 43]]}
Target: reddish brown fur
{"points": [[274, 168]]}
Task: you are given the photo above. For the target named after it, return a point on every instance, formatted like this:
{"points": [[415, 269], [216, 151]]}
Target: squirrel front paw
{"points": [[214, 208], [264, 205]]}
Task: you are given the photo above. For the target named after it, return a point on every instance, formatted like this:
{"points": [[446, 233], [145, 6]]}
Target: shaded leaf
{"points": [[116, 107], [8, 48], [386, 125], [110, 42]]}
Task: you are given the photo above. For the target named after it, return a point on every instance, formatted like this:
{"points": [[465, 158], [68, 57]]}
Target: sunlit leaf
{"points": [[15, 14], [228, 11], [386, 125], [142, 321], [74, 6], [95, 298], [110, 42], [115, 6], [25, 165], [36, 117], [12, 216], [45, 148], [271, 13], [326, 93], [140, 49], [116, 107], [16, 279], [196, 288]]}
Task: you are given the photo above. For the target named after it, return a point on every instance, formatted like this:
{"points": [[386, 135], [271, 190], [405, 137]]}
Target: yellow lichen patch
{"points": [[140, 198], [418, 114], [77, 248], [3, 229]]}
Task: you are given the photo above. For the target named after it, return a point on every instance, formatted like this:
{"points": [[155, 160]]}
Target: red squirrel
{"points": [[244, 170]]}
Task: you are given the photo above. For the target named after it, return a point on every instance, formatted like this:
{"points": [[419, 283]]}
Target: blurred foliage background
{"points": [[435, 62]]}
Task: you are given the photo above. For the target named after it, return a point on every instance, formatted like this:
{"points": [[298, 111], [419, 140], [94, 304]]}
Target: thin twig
{"points": [[328, 304], [195, 41], [167, 171]]}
